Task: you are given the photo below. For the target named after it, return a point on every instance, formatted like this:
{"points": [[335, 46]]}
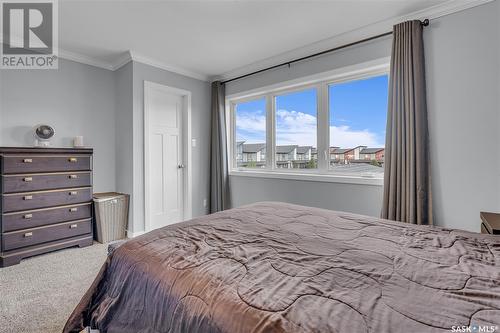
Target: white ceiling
{"points": [[213, 37]]}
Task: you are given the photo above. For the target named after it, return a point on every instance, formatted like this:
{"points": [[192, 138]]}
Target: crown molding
{"points": [[124, 59], [77, 57], [83, 59], [175, 69], [434, 12], [121, 61], [127, 57], [447, 8]]}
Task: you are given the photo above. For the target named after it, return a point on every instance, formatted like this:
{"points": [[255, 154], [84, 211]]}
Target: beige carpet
{"points": [[39, 294]]}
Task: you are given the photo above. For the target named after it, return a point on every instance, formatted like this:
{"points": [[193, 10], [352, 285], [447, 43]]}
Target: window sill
{"points": [[314, 177]]}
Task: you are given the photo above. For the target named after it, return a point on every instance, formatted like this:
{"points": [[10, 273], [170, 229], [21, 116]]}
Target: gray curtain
{"points": [[219, 178], [407, 179]]}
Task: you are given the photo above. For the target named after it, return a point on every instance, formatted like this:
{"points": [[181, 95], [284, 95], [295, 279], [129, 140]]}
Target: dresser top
{"points": [[491, 221], [23, 150]]}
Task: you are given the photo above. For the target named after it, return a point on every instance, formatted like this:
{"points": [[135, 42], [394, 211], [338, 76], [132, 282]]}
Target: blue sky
{"points": [[360, 105], [357, 115]]}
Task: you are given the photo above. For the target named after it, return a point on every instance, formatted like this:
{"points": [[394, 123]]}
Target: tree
{"points": [[311, 164]]}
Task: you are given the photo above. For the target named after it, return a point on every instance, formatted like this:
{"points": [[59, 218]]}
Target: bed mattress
{"points": [[276, 267]]}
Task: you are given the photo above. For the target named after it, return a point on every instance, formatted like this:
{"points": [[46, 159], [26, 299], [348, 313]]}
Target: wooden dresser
{"points": [[490, 223], [46, 201]]}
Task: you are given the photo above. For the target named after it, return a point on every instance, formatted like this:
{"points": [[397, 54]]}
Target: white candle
{"points": [[78, 141]]}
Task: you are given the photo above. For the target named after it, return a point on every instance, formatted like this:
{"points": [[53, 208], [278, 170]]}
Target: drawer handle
{"points": [[73, 193], [73, 177], [28, 234], [28, 197], [74, 209], [28, 216], [27, 160], [28, 179], [73, 159], [73, 226]]}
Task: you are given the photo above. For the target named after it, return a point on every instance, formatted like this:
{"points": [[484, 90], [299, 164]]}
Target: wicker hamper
{"points": [[111, 215]]}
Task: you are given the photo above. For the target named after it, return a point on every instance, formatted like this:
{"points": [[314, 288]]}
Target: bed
{"points": [[276, 267]]}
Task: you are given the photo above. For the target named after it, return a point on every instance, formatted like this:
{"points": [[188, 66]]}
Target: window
{"points": [[358, 113], [296, 129], [250, 128], [330, 130]]}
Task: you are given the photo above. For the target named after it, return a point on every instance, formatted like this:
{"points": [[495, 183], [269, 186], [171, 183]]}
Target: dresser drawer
{"points": [[36, 182], [40, 163], [42, 199], [39, 217], [27, 237]]}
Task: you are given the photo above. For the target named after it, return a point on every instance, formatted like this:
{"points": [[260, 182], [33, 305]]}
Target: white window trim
{"points": [[321, 82], [307, 176]]}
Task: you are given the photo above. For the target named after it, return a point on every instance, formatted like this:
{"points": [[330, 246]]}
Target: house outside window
{"points": [[334, 128], [250, 134]]}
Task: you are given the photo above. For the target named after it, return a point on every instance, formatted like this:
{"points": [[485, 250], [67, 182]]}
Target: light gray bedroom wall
{"points": [[361, 199], [462, 59], [105, 107], [462, 52], [75, 99], [200, 127], [124, 128], [351, 56]]}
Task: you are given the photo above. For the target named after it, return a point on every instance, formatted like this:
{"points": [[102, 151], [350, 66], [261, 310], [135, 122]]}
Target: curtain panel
{"points": [[219, 177], [407, 178]]}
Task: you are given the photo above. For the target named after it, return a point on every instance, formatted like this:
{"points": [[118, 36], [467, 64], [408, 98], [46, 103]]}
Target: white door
{"points": [[164, 156]]}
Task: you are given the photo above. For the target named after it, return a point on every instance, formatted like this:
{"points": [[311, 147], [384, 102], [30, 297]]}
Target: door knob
{"points": [[181, 166]]}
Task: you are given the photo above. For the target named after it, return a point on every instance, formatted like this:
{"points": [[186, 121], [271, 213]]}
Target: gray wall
{"points": [[464, 114], [351, 56], [124, 140], [76, 99], [463, 70], [462, 84], [200, 120], [107, 109], [361, 199]]}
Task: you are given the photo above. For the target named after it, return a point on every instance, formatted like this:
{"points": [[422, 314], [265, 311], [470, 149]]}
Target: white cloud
{"points": [[345, 137], [294, 127], [251, 127], [251, 122]]}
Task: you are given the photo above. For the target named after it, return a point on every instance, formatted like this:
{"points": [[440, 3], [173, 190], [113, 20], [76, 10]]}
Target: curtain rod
{"points": [[288, 63]]}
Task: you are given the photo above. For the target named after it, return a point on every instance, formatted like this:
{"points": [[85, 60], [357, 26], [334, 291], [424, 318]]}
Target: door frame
{"points": [[186, 146]]}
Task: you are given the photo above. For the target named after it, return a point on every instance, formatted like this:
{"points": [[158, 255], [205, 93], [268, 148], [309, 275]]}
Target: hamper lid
{"points": [[107, 196]]}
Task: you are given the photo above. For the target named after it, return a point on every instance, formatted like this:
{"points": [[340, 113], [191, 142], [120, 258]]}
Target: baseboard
{"points": [[131, 234]]}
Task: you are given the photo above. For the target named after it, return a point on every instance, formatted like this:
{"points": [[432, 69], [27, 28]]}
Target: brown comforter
{"points": [[275, 267]]}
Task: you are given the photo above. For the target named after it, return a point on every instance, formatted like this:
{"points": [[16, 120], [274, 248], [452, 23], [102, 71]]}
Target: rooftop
{"points": [[340, 150], [285, 149], [371, 150], [303, 149], [253, 147]]}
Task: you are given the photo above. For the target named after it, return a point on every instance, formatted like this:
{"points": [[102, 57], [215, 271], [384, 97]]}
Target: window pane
{"points": [[251, 134], [358, 113], [296, 128]]}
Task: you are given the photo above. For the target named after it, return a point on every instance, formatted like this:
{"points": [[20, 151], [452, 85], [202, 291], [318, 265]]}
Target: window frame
{"points": [[320, 82]]}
